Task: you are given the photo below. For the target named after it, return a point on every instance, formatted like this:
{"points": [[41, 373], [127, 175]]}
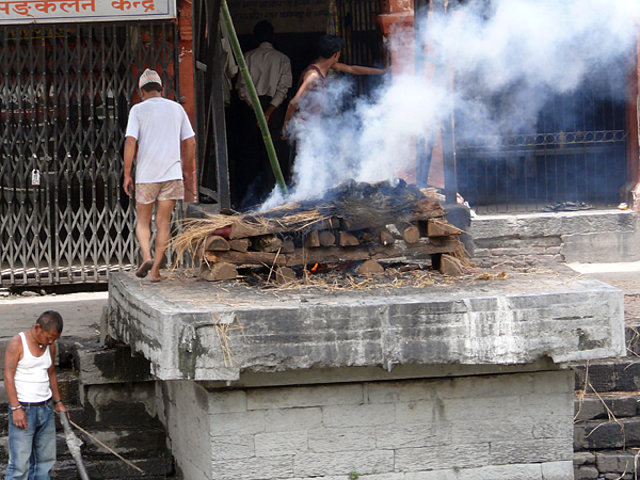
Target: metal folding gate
{"points": [[65, 93]]}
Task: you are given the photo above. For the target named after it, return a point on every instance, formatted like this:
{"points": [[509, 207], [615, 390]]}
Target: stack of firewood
{"points": [[356, 230]]}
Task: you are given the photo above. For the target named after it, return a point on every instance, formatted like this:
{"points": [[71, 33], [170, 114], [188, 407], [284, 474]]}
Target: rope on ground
{"points": [[106, 446]]}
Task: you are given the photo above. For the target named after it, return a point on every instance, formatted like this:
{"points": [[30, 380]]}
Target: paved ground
{"points": [[81, 313]]}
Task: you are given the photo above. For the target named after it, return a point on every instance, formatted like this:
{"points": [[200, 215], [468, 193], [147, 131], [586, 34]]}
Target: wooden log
{"points": [[246, 258], [312, 240], [346, 239], [237, 230], [441, 228], [267, 243], [369, 267], [410, 234], [218, 271], [386, 238], [240, 244], [326, 238], [423, 249], [284, 275], [326, 255], [450, 266], [288, 247], [216, 243]]}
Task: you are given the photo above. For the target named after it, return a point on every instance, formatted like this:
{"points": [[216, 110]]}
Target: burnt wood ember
{"points": [[355, 222]]}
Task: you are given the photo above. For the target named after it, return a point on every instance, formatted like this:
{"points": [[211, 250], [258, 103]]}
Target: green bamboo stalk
{"points": [[253, 95]]}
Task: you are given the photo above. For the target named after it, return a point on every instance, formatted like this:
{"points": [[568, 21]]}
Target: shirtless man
{"points": [[308, 100]]}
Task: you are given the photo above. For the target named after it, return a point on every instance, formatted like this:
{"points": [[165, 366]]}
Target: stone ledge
{"points": [[192, 329]]}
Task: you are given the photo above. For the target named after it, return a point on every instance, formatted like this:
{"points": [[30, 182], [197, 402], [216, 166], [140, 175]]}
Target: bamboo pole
{"points": [[253, 95]]}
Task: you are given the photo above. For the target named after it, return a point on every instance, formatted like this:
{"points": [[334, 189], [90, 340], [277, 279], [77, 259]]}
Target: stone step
{"points": [[610, 375], [606, 434], [130, 443], [155, 468], [619, 404], [607, 464]]}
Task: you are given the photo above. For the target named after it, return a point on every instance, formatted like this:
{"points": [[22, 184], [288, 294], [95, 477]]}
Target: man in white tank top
{"points": [[32, 387], [160, 138]]}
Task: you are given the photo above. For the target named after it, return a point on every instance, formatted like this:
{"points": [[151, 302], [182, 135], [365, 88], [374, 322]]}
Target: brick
{"points": [[557, 470], [584, 458], [552, 427], [600, 434], [442, 457], [272, 444], [491, 429], [585, 473], [249, 469], [226, 447], [556, 404], [503, 472], [391, 392], [529, 451], [358, 415], [227, 402], [414, 436], [363, 462], [340, 439], [304, 396], [560, 381], [432, 475], [616, 462], [237, 423], [290, 419]]}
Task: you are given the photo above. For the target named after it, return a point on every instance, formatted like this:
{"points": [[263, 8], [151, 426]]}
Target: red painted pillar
{"points": [[186, 74], [397, 27]]}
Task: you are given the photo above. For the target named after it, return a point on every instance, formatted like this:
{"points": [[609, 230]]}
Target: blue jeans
{"points": [[32, 452]]}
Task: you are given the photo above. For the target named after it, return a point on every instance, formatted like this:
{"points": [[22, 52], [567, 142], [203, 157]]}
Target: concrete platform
{"points": [[192, 329]]}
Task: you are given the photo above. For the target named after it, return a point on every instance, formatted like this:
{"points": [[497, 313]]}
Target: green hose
{"points": [[253, 95]]}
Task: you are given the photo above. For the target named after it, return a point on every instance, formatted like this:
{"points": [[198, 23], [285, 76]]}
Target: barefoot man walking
{"points": [[160, 130]]}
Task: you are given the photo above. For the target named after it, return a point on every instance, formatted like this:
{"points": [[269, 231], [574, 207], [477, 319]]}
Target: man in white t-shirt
{"points": [[160, 130]]}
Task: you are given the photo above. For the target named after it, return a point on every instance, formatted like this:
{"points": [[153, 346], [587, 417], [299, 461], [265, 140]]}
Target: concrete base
{"points": [[201, 331], [501, 427], [455, 382], [589, 236]]}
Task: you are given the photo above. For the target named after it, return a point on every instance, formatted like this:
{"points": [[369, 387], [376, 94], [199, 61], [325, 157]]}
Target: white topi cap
{"points": [[149, 76]]}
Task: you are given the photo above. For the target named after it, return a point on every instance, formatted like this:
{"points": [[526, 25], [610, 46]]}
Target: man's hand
{"points": [[60, 408], [128, 186], [19, 418]]}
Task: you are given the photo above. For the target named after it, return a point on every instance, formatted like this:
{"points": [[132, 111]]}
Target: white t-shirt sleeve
{"points": [[133, 126], [185, 128]]}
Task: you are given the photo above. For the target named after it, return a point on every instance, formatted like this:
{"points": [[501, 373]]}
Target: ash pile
{"points": [[359, 228]]}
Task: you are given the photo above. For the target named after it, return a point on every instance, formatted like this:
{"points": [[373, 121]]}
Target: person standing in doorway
{"points": [[270, 71], [32, 387], [160, 137]]}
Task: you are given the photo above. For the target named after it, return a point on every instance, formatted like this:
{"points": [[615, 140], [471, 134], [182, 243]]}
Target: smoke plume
{"points": [[507, 58]]}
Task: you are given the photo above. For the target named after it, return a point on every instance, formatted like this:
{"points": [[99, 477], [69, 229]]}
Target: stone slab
{"points": [[191, 329]]}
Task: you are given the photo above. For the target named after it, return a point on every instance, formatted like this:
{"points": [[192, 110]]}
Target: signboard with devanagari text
{"points": [[49, 11]]}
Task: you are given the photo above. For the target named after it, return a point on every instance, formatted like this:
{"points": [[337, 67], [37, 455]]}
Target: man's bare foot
{"points": [[157, 278], [144, 268]]}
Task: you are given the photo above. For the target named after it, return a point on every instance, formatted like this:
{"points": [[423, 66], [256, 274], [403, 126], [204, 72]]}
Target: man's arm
{"points": [[53, 382], [130, 144], [358, 69], [188, 148], [11, 358], [308, 83]]}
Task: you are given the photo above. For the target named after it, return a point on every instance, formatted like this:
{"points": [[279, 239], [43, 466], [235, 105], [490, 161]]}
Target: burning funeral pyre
{"points": [[354, 226]]}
